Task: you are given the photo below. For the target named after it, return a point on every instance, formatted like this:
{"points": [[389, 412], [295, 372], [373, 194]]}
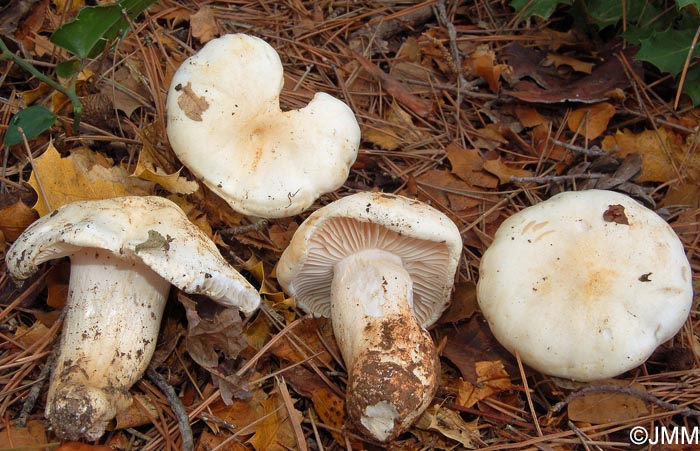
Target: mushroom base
{"points": [[392, 361], [113, 315]]}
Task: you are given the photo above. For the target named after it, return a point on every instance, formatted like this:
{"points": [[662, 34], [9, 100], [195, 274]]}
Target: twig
{"points": [[554, 178], [527, 394], [220, 421], [72, 96], [176, 405], [33, 396], [293, 418], [685, 411], [594, 151], [257, 226]]}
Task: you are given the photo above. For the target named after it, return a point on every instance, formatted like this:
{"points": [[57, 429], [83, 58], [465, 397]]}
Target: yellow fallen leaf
{"points": [[274, 432], [147, 170], [563, 60], [59, 181], [664, 157], [591, 121], [504, 172]]}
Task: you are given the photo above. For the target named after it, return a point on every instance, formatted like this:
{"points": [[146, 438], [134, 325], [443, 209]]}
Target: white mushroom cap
{"points": [[225, 124], [428, 243], [183, 255], [585, 285]]}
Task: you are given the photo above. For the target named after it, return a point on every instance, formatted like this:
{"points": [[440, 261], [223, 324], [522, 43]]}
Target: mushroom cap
{"points": [[151, 229], [428, 243], [225, 124], [585, 285]]}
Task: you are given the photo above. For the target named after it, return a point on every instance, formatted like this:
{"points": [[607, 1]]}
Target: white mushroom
{"points": [[125, 253], [382, 267], [585, 285], [225, 124]]}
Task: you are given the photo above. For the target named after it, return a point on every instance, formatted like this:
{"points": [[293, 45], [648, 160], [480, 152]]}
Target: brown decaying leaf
{"points": [[204, 25], [398, 129], [78, 446], [139, 413], [443, 185], [15, 218], [471, 342], [463, 303], [468, 165], [491, 378], [504, 172], [306, 337], [482, 63], [274, 432], [421, 107], [563, 60], [448, 423], [591, 121], [192, 105], [600, 407], [30, 436]]}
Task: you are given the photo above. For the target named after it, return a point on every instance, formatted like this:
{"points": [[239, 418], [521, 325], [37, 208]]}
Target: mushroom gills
{"points": [[391, 359], [106, 346]]}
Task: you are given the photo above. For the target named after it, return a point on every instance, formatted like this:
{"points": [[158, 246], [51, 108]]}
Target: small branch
{"points": [[71, 94], [685, 411], [554, 178], [594, 151], [176, 405], [240, 230]]}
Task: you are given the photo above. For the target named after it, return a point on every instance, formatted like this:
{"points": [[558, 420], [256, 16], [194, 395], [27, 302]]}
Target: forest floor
{"points": [[461, 105]]}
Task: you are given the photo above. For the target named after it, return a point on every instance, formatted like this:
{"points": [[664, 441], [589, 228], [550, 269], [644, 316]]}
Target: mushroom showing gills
{"points": [[382, 267], [125, 253], [585, 285], [225, 124]]}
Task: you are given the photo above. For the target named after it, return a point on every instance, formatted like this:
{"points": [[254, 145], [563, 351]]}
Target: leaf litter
{"points": [[531, 110]]}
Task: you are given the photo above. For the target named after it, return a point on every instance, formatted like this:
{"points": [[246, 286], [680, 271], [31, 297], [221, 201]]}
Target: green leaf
{"points": [[87, 34], [667, 50], [540, 8], [683, 3], [68, 68], [691, 87], [33, 121]]}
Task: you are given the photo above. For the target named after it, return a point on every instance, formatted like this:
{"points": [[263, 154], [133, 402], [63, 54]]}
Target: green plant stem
{"points": [[72, 96]]}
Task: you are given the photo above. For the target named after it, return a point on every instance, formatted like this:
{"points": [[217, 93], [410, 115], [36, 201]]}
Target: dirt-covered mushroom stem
{"points": [[382, 267], [105, 346], [391, 360], [125, 253]]}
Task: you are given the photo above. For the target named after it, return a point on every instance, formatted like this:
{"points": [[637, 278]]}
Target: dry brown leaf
{"points": [[398, 129], [135, 415], [28, 336], [57, 285], [599, 407], [306, 337], [468, 164], [15, 218], [451, 425], [489, 137], [529, 117], [662, 151], [463, 303], [78, 177], [591, 121], [174, 183], [492, 378], [504, 172], [204, 25], [127, 92], [443, 185], [563, 60], [78, 446], [482, 63], [28, 437]]}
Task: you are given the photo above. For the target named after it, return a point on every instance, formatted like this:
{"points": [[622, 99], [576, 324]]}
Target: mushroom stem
{"points": [[392, 361], [113, 315]]}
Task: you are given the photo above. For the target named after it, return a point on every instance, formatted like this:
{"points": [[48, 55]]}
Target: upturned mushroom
{"points": [[585, 285], [125, 253], [225, 124], [382, 267]]}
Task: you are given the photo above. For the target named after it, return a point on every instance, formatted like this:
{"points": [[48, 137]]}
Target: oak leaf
{"points": [[504, 172], [591, 121], [492, 378], [80, 176], [451, 425]]}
